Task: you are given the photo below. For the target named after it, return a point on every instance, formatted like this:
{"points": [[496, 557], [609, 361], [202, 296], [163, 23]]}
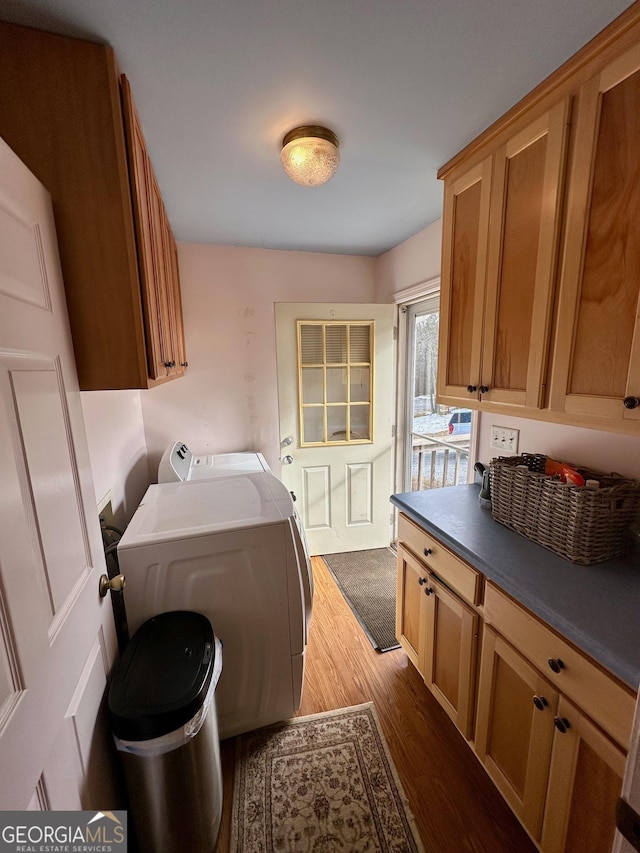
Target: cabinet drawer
{"points": [[456, 574], [609, 703]]}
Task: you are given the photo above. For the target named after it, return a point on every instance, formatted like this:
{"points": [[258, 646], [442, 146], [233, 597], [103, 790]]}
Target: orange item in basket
{"points": [[564, 472]]}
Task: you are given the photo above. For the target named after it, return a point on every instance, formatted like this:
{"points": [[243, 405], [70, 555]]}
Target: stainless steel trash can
{"points": [[163, 718]]}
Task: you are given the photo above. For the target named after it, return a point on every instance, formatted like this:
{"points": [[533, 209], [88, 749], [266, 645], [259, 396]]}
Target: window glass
{"points": [[335, 369]]}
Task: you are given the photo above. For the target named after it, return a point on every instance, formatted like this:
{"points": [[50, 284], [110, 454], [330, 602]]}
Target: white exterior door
{"points": [[57, 640], [336, 399]]}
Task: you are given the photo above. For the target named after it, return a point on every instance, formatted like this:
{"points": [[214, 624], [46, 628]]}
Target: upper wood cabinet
{"points": [[500, 239], [464, 260], [556, 252], [62, 112], [596, 363]]}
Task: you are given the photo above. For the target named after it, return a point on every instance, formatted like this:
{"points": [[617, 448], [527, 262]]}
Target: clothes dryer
{"points": [[228, 547]]}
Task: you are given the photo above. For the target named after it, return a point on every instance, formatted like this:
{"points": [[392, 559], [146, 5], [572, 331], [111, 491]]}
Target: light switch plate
{"points": [[505, 439]]}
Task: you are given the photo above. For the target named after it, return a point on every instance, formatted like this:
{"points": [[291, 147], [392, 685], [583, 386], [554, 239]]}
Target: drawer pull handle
{"points": [[422, 581], [562, 724], [428, 590], [556, 664], [427, 552], [540, 702]]}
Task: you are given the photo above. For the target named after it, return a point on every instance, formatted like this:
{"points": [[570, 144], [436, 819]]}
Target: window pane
{"points": [[360, 343], [336, 384], [312, 426], [311, 344], [359, 378], [360, 422], [312, 391], [336, 423], [336, 337]]}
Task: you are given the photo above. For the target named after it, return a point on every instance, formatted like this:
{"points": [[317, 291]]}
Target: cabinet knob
{"points": [[562, 724], [556, 664], [169, 364], [483, 389], [428, 590], [472, 388], [422, 581], [427, 552], [184, 364], [540, 702], [631, 402]]}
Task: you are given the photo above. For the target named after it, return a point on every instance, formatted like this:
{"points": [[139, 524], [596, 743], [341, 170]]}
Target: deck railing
{"points": [[436, 463]]}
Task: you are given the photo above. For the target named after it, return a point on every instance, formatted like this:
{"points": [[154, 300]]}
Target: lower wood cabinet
{"points": [[439, 632], [585, 779], [514, 730], [551, 726], [553, 762]]}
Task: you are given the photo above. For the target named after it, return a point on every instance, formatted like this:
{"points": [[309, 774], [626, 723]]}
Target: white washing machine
{"points": [[178, 464], [229, 547]]}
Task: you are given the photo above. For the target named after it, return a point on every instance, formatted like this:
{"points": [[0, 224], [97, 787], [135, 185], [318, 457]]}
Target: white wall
{"points": [[228, 399], [117, 448], [410, 263], [601, 451]]}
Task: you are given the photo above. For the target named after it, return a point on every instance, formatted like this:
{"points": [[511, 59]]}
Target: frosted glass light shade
{"points": [[310, 155]]}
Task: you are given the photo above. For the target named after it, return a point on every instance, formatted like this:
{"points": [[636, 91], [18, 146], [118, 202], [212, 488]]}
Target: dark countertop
{"points": [[596, 607]]}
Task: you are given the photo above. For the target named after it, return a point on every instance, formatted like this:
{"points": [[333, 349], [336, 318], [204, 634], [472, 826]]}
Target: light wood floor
{"points": [[456, 806]]}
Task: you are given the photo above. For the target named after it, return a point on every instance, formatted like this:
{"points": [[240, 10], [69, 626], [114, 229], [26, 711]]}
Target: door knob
{"points": [[287, 460], [114, 584]]}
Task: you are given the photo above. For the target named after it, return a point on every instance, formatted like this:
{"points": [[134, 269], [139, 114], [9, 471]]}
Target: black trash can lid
{"points": [[163, 676]]}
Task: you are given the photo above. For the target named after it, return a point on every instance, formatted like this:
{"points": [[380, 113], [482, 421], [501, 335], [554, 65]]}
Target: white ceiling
{"points": [[405, 84]]}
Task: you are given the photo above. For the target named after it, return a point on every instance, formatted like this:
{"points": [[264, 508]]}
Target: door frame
{"points": [[404, 300]]}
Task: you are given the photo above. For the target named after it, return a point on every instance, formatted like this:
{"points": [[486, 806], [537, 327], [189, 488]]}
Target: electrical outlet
{"points": [[504, 439]]}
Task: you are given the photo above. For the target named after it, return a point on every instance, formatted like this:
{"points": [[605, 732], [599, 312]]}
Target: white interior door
{"points": [[57, 639], [630, 795], [336, 399]]}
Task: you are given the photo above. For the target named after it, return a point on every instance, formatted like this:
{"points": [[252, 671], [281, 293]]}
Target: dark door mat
{"points": [[367, 580]]}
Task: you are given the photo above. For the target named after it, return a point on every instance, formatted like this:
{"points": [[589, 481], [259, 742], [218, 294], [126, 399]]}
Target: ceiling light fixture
{"points": [[310, 155]]}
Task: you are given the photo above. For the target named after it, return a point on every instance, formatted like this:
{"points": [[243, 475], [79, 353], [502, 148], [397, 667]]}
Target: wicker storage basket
{"points": [[583, 525]]}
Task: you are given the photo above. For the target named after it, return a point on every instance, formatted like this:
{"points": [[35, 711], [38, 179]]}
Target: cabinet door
{"points": [[526, 199], [145, 202], [584, 784], [597, 350], [464, 255], [451, 637], [411, 606], [514, 730], [175, 300], [163, 283]]}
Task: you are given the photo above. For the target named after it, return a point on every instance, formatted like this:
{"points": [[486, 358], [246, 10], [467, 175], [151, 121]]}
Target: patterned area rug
{"points": [[320, 784], [367, 580]]}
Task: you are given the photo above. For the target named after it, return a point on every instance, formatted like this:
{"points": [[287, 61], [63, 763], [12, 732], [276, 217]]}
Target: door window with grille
{"points": [[335, 382]]}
